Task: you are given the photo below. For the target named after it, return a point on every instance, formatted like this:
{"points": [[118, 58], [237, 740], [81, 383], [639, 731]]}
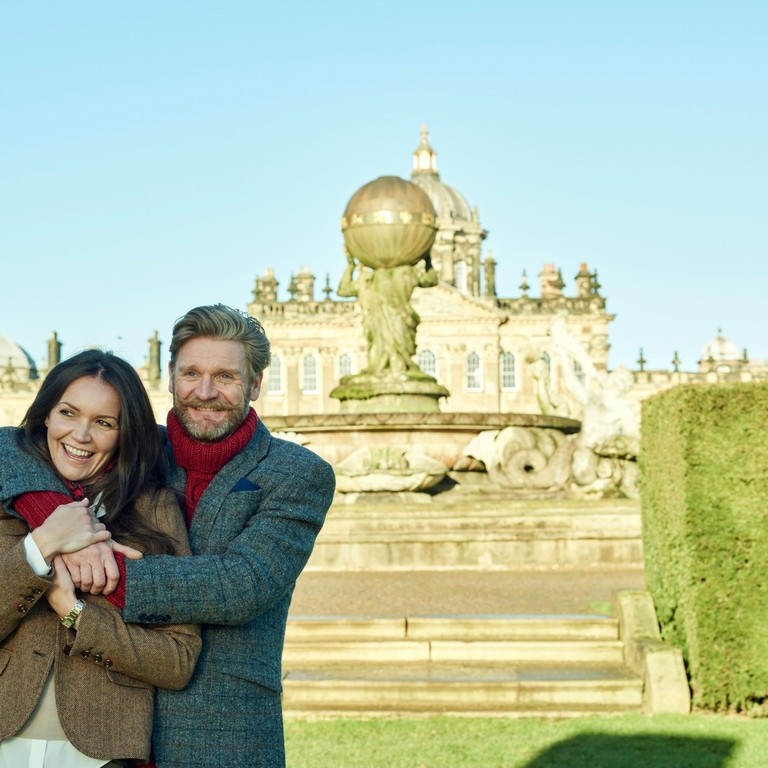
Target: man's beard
{"points": [[208, 432]]}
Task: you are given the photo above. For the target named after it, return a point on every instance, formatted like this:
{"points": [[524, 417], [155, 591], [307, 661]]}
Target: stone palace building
{"points": [[538, 352]]}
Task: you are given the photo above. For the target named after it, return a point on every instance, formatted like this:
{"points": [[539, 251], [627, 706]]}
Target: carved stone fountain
{"points": [[390, 435]]}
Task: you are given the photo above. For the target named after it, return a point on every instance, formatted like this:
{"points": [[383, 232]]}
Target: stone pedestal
{"points": [[365, 393]]}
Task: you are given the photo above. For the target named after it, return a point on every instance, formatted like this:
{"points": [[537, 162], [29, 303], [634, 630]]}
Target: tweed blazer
{"points": [[106, 671], [252, 533]]}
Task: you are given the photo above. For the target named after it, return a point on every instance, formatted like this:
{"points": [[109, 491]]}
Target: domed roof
{"points": [[721, 349], [450, 204], [16, 357]]}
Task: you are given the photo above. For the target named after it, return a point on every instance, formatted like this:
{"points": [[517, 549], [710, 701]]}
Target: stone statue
{"points": [[606, 448], [549, 404], [389, 227], [389, 319], [610, 415]]}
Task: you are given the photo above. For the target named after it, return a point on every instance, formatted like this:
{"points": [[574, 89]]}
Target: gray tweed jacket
{"points": [[252, 533]]}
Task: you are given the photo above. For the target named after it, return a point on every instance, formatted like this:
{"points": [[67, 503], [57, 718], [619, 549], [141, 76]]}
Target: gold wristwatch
{"points": [[70, 619]]}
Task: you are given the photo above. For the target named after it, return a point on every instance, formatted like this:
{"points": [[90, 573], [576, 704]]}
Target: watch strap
{"points": [[70, 619]]}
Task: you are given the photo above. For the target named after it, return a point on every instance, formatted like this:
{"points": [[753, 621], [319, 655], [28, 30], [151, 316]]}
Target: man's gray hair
{"points": [[218, 321]]}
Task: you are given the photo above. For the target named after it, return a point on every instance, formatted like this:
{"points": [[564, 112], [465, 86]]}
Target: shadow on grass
{"points": [[595, 750]]}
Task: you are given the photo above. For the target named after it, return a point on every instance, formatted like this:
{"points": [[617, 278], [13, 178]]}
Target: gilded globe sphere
{"points": [[389, 222]]}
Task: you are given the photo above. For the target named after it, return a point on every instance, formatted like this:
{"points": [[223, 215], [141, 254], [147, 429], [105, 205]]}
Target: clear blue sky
{"points": [[159, 155]]}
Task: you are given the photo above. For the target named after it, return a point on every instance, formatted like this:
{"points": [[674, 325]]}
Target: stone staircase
{"points": [[441, 657], [479, 532], [513, 666]]}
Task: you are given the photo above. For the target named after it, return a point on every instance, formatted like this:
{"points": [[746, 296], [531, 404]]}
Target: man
{"points": [[254, 506]]}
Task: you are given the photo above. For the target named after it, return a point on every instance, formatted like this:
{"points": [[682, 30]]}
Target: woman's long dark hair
{"points": [[139, 464]]}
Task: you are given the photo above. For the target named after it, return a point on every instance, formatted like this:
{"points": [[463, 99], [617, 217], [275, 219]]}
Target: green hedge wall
{"points": [[704, 495]]}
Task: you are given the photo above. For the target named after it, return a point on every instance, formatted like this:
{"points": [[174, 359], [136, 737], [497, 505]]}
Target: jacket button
{"points": [[86, 653], [108, 663], [97, 658]]}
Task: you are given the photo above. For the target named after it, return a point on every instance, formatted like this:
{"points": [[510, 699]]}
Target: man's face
{"points": [[211, 387]]}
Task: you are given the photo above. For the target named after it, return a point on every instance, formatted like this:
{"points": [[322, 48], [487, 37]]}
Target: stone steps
{"points": [[547, 666], [473, 533], [322, 694]]}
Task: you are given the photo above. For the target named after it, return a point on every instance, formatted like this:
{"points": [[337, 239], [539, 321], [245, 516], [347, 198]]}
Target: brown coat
{"points": [[106, 671]]}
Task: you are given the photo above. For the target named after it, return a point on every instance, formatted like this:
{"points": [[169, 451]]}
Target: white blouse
{"points": [[18, 752]]}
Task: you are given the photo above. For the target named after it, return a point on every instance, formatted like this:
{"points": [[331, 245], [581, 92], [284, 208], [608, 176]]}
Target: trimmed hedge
{"points": [[704, 495]]}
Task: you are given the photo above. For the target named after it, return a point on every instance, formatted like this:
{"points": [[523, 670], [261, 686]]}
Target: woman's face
{"points": [[83, 429]]}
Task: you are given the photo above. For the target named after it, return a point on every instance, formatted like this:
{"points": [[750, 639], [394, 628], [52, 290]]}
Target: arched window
{"points": [[460, 272], [508, 372], [345, 365], [309, 375], [275, 376], [474, 377], [427, 362]]}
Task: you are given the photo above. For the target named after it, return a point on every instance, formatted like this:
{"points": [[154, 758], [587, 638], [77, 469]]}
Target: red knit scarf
{"points": [[203, 460], [36, 506]]}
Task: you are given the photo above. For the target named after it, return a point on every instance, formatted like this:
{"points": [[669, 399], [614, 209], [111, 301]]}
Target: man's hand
{"points": [[94, 569]]}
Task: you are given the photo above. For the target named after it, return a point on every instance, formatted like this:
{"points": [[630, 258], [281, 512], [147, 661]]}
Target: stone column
{"points": [[153, 367], [54, 350]]}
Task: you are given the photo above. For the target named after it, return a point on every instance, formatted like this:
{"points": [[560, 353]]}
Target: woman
{"points": [[87, 464]]}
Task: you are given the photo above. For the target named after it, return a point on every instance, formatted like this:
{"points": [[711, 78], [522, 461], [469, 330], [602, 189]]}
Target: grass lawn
{"points": [[626, 741]]}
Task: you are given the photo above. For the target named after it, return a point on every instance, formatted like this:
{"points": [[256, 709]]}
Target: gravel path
{"points": [[404, 593]]}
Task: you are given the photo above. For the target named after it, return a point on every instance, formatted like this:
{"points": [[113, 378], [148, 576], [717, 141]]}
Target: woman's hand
{"points": [[61, 596], [69, 528]]}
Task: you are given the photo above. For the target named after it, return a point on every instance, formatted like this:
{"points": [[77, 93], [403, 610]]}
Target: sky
{"points": [[155, 156]]}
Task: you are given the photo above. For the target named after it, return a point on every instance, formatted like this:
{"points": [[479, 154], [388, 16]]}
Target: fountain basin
{"points": [[442, 436]]}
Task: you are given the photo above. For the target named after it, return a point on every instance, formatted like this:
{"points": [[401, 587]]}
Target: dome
{"points": [[451, 206], [14, 357], [720, 350]]}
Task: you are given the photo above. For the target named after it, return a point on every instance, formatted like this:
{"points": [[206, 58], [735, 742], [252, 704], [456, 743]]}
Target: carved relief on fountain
{"points": [[524, 458], [391, 469]]}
